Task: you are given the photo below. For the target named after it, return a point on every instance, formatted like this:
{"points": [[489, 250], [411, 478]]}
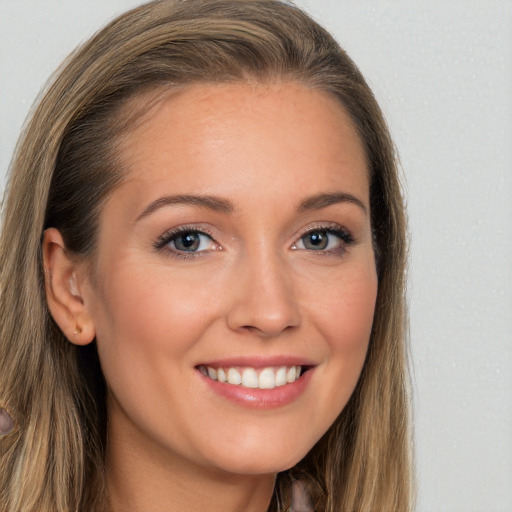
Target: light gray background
{"points": [[442, 71]]}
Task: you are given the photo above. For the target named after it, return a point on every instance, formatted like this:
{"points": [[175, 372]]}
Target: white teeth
{"points": [[250, 378], [267, 378], [281, 376], [291, 375], [234, 376]]}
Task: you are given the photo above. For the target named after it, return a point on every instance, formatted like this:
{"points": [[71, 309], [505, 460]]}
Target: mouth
{"points": [[269, 377]]}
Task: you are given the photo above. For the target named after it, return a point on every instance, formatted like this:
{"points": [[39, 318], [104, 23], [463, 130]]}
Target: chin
{"points": [[261, 460]]}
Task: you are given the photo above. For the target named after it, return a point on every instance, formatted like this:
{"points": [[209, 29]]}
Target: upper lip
{"points": [[258, 361]]}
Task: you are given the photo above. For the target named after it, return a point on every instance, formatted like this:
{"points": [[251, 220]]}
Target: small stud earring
{"points": [[6, 422], [77, 331]]}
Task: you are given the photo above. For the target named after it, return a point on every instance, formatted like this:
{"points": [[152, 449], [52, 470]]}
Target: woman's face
{"points": [[239, 247]]}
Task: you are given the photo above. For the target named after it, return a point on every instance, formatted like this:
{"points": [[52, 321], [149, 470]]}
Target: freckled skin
{"points": [[254, 291]]}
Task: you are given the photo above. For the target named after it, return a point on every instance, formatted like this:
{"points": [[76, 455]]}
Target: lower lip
{"points": [[260, 398]]}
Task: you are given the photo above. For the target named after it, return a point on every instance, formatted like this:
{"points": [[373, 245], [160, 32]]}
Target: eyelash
{"points": [[169, 236], [162, 243], [345, 239]]}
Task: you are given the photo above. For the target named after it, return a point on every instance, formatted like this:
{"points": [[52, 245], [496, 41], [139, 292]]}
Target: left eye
{"points": [[190, 241], [321, 240]]}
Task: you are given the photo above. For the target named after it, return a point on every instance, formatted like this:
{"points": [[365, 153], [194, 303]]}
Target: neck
{"points": [[142, 477]]}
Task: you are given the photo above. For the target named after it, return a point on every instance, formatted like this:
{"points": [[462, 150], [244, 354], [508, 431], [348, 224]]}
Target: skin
{"points": [[255, 290]]}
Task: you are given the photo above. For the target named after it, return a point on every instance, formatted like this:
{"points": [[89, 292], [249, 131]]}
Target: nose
{"points": [[263, 300]]}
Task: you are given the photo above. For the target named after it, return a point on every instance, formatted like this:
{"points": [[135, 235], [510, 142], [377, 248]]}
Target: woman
{"points": [[202, 264]]}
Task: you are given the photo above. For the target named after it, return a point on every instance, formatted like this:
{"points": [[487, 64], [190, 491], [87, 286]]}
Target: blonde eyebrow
{"points": [[210, 202]]}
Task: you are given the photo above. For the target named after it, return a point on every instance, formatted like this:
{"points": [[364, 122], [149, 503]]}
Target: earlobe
{"points": [[64, 290]]}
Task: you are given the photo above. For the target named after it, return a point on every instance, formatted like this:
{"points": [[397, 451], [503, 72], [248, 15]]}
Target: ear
{"points": [[63, 278]]}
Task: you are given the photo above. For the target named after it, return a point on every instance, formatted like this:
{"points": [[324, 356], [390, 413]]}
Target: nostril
{"points": [[266, 330]]}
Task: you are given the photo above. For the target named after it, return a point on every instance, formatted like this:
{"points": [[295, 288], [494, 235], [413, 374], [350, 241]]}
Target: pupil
{"points": [[316, 240], [188, 241]]}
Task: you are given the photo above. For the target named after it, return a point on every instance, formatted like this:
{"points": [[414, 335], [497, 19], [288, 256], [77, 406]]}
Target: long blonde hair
{"points": [[64, 168]]}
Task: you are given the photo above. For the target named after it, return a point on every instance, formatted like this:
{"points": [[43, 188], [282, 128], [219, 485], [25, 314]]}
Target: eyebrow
{"points": [[324, 200], [213, 203], [218, 204]]}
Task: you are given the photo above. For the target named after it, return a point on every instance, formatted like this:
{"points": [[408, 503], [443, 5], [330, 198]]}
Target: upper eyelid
{"points": [[185, 228], [166, 237], [340, 233], [324, 226]]}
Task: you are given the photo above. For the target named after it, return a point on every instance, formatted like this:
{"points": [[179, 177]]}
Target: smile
{"points": [[254, 378]]}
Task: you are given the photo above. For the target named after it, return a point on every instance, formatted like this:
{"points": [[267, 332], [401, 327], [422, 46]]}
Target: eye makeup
{"points": [[194, 240], [325, 239], [187, 241]]}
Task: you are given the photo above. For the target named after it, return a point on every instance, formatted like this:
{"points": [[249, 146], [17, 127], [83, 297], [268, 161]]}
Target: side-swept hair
{"points": [[64, 168]]}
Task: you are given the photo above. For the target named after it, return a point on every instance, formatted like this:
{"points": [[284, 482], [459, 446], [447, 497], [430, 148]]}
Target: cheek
{"points": [[355, 312], [352, 310], [149, 328], [345, 321], [144, 318], [344, 304], [153, 307]]}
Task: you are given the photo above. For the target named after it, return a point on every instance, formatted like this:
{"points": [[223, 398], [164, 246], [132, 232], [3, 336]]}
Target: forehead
{"points": [[214, 138]]}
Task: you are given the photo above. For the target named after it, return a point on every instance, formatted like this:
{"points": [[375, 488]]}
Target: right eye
{"points": [[186, 241], [190, 241]]}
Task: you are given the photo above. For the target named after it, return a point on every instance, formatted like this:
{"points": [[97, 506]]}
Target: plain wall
{"points": [[442, 71]]}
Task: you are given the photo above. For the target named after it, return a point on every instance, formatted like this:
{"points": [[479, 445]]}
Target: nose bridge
{"points": [[263, 295]]}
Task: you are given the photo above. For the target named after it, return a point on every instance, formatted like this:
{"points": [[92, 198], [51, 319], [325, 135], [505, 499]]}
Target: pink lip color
{"points": [[259, 398]]}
